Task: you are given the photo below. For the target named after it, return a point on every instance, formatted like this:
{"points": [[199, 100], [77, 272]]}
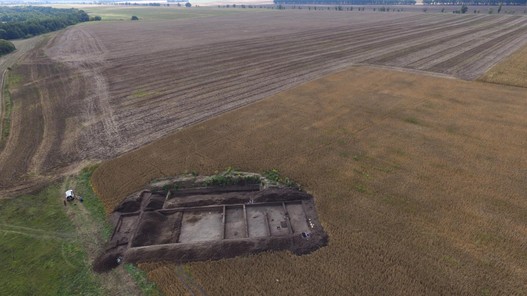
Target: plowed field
{"points": [[98, 90]]}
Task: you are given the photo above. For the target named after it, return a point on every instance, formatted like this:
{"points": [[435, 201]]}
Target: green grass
{"points": [[139, 276], [92, 203], [96, 209], [40, 252], [7, 108], [138, 94]]}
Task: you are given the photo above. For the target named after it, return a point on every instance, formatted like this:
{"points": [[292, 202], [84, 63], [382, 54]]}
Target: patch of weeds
{"points": [[362, 173], [387, 169], [344, 154], [14, 79], [485, 292], [451, 260], [484, 238], [274, 175], [231, 177], [342, 142], [412, 120], [7, 109], [171, 187], [399, 151], [148, 288], [361, 188], [139, 94]]}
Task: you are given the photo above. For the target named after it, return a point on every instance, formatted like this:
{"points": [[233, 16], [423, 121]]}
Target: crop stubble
{"points": [[100, 90], [418, 180]]}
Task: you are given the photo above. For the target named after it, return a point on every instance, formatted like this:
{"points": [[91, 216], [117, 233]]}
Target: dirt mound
{"points": [[156, 202], [129, 206], [106, 262], [286, 194]]}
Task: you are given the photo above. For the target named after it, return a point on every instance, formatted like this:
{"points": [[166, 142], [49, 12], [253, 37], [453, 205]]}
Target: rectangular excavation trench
{"points": [[214, 223]]}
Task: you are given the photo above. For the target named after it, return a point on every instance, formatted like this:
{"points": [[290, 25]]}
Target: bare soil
{"points": [[259, 220], [95, 91]]}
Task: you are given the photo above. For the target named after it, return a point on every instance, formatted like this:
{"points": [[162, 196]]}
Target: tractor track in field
{"points": [[36, 233]]}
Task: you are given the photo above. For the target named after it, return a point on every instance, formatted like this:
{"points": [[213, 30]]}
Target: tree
{"points": [[6, 47], [134, 18], [464, 8], [188, 4], [499, 8]]}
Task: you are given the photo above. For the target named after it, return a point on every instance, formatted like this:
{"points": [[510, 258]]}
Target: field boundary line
{"points": [[2, 108]]}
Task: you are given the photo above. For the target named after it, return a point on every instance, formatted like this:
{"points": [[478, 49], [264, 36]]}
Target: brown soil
{"points": [[96, 91], [419, 183], [187, 233]]}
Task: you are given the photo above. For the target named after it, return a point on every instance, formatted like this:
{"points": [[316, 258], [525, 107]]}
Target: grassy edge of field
{"points": [[7, 108], [42, 239], [96, 208]]}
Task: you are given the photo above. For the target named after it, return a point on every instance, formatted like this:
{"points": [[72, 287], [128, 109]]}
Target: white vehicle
{"points": [[70, 195]]}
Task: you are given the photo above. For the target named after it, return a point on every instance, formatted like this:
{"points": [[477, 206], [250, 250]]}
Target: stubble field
{"points": [[418, 180], [96, 91]]}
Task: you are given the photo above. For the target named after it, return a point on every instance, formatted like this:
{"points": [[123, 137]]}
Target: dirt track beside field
{"points": [[96, 91]]}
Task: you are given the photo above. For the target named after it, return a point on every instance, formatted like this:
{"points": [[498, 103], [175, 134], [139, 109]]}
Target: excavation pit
{"points": [[188, 219]]}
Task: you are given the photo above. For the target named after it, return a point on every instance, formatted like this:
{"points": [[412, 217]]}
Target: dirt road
{"points": [[7, 61]]}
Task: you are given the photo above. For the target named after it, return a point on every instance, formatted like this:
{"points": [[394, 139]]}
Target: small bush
{"points": [[6, 47], [134, 18]]}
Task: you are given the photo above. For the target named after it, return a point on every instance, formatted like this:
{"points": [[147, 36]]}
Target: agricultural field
{"points": [[418, 181], [415, 161], [512, 71], [97, 90]]}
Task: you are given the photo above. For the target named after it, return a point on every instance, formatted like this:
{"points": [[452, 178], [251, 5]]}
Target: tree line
{"points": [[400, 2], [475, 2], [346, 2], [25, 22]]}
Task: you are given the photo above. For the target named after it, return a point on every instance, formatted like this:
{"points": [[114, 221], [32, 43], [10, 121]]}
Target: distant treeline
{"points": [[346, 2], [400, 2], [24, 22], [475, 2]]}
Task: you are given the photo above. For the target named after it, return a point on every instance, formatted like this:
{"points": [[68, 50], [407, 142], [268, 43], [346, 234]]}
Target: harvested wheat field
{"points": [[95, 91], [419, 182], [512, 71]]}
